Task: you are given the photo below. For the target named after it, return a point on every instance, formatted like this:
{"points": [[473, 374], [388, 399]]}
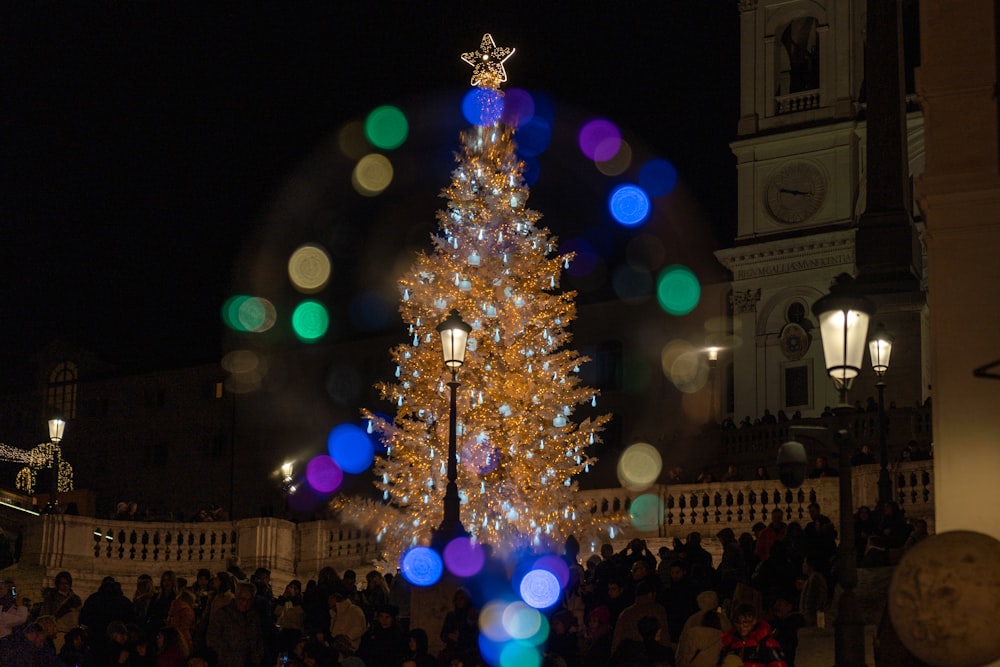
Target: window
{"points": [[61, 393], [801, 48], [797, 386]]}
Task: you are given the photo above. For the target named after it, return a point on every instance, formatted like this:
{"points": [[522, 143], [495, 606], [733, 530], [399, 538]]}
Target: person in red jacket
{"points": [[752, 641]]}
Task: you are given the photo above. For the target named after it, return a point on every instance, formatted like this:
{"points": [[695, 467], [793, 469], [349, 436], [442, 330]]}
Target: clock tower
{"points": [[801, 172]]}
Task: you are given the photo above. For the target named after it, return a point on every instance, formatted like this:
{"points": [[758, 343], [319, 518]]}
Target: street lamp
{"points": [[843, 316], [713, 360], [56, 429], [454, 338], [879, 348]]}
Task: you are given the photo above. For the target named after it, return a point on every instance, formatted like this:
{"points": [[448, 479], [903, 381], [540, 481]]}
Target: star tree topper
{"points": [[487, 63]]}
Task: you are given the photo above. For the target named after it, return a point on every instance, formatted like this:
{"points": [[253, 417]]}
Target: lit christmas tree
{"points": [[519, 447]]}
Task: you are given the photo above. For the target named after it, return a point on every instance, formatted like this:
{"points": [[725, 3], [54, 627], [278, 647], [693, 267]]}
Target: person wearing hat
{"points": [[385, 644]]}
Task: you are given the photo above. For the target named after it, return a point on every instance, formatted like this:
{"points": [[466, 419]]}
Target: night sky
{"points": [[145, 144]]}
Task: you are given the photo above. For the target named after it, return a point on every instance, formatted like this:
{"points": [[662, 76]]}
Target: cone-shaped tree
{"points": [[519, 446]]}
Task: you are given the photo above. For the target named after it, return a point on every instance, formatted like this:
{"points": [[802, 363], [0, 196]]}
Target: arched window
{"points": [[801, 51], [60, 399]]}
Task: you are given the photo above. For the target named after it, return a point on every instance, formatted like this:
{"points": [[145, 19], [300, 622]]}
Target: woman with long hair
{"points": [[171, 649]]}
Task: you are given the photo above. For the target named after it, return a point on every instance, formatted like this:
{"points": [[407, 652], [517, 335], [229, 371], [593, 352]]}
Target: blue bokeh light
{"points": [[482, 106], [540, 589], [532, 170], [533, 137], [658, 177], [370, 311], [421, 566], [629, 204], [351, 448]]}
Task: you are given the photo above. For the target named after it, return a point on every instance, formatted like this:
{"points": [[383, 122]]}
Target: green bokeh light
{"points": [[645, 512], [678, 290], [310, 321], [386, 127], [253, 314], [231, 312]]}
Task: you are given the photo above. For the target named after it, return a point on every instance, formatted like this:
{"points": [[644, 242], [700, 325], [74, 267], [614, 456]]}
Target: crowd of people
{"points": [[619, 609]]}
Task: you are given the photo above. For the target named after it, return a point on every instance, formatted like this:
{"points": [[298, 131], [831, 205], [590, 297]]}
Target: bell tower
{"points": [[801, 171]]}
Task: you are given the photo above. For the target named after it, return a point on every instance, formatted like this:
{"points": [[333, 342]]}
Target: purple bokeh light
{"points": [[518, 108], [600, 139], [556, 565], [323, 474], [464, 557]]}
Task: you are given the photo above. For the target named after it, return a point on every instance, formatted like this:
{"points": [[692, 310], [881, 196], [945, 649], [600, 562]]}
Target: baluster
{"points": [[98, 536]]}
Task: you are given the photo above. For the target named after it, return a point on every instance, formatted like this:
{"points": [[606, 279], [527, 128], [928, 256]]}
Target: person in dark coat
{"points": [[26, 647], [417, 649], [460, 630], [597, 638], [234, 631], [384, 644], [645, 651], [106, 605]]}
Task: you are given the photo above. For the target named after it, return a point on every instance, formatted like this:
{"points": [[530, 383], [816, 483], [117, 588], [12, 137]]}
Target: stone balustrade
{"points": [[92, 548], [746, 447]]}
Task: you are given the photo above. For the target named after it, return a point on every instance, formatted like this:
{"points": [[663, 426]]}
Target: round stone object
{"points": [[943, 599]]}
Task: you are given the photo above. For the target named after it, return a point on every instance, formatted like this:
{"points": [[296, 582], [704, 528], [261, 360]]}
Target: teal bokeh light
{"points": [[231, 311], [645, 512], [520, 654], [678, 290], [386, 127], [310, 321]]}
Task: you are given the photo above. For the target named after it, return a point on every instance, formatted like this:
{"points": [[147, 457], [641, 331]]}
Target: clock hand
{"points": [[797, 193]]}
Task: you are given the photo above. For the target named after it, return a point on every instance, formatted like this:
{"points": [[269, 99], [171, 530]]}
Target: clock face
{"points": [[795, 192]]}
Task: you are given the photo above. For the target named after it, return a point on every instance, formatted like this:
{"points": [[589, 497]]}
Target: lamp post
{"points": [[56, 429], [713, 360], [454, 338], [843, 316], [879, 348]]}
